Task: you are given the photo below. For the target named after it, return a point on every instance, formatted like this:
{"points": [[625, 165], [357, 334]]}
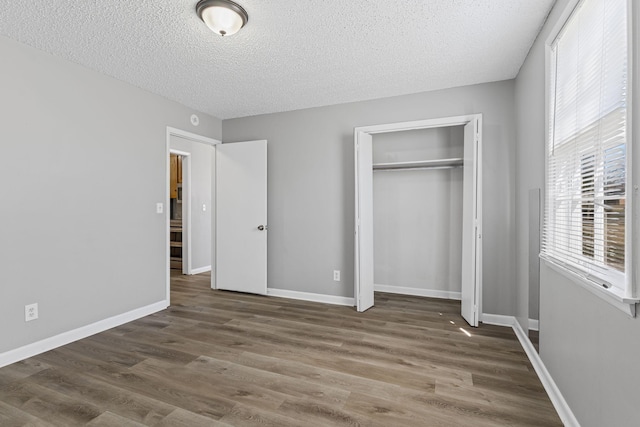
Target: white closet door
{"points": [[241, 217], [471, 233], [364, 221]]}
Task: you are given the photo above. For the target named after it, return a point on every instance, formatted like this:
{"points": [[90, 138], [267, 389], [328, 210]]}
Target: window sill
{"points": [[612, 295]]}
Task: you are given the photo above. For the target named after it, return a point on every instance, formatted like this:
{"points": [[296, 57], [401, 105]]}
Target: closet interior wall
{"points": [[417, 211]]}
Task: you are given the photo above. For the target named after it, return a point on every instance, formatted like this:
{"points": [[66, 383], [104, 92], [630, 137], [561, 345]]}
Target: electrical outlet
{"points": [[159, 208], [336, 275], [30, 312]]}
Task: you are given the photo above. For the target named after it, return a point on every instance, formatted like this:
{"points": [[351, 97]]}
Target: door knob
{"points": [[262, 227]]}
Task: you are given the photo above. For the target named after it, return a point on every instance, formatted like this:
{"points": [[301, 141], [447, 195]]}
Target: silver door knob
{"points": [[262, 227]]}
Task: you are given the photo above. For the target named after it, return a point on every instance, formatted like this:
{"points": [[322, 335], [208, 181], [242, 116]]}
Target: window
{"points": [[585, 211]]}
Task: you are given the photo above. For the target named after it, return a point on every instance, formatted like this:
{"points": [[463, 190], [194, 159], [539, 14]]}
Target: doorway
{"points": [[214, 198], [471, 161], [179, 203], [189, 212]]}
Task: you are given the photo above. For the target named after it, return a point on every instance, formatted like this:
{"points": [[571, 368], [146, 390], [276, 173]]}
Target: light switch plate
{"points": [[159, 208]]}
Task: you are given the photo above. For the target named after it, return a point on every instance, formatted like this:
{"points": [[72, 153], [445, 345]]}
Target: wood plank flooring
{"points": [[218, 358]]}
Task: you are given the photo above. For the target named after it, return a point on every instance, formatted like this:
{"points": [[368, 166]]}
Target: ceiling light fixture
{"points": [[222, 16]]}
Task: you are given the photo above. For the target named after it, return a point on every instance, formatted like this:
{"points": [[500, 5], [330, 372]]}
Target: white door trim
{"points": [[415, 125], [419, 124], [192, 137]]}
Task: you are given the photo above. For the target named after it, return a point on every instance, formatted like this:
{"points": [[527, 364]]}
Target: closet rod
{"points": [[421, 164], [416, 168]]}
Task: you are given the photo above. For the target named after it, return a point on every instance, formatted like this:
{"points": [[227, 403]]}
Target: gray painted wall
{"points": [[530, 112], [418, 213], [76, 145], [590, 348], [201, 163], [311, 184]]}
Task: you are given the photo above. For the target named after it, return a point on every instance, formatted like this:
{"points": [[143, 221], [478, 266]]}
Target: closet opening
{"points": [[418, 211]]}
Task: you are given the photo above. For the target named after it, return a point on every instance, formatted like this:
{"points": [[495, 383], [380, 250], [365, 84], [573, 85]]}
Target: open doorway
{"points": [[178, 256], [190, 161], [234, 175]]}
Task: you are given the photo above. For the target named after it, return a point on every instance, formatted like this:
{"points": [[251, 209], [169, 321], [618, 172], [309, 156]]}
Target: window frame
{"points": [[627, 298]]}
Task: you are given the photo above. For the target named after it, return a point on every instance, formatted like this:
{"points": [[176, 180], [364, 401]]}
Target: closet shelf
{"points": [[422, 164]]}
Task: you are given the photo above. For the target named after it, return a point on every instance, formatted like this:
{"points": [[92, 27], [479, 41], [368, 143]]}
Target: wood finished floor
{"points": [[226, 359]]}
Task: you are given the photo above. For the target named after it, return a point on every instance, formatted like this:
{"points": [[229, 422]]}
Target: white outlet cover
{"points": [[159, 208], [30, 312]]}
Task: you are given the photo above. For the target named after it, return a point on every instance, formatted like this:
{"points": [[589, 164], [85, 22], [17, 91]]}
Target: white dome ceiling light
{"points": [[223, 17]]}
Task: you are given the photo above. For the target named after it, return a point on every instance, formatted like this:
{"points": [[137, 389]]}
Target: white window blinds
{"points": [[586, 158]]}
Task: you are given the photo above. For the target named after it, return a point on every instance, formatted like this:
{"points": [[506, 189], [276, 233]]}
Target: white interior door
{"points": [[241, 217], [471, 224], [364, 221]]}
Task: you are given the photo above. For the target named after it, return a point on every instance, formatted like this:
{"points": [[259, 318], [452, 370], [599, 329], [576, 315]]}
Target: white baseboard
{"points": [[500, 320], [497, 319], [558, 401], [33, 349], [561, 405], [201, 270], [534, 325], [308, 296], [418, 292]]}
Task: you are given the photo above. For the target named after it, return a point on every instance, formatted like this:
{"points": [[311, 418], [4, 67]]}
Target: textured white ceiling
{"points": [[292, 54]]}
